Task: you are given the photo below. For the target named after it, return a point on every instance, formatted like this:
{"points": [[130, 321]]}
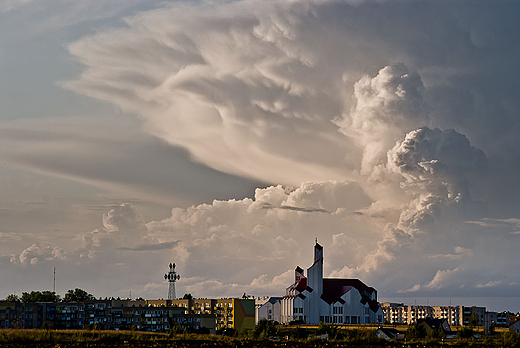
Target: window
{"points": [[353, 320], [340, 310]]}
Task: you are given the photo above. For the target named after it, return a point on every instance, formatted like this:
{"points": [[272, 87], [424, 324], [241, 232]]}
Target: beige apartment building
{"points": [[453, 314], [398, 313], [233, 313]]}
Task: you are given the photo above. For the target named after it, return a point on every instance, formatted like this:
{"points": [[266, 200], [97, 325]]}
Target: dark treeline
{"points": [[76, 295]]}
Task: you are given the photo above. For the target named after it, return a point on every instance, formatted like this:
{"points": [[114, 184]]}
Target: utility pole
{"points": [[54, 281]]}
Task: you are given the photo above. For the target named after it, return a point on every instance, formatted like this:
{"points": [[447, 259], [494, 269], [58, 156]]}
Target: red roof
{"points": [[334, 288], [302, 284]]}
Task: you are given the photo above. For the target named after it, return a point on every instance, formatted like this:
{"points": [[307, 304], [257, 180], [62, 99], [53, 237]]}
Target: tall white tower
{"points": [[172, 277], [315, 282]]}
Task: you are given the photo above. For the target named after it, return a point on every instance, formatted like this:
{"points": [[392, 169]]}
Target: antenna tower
{"points": [[172, 277], [54, 281]]}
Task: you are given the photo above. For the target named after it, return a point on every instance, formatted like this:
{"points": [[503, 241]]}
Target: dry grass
{"points": [[15, 335]]}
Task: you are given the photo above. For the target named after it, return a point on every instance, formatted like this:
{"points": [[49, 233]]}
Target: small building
{"points": [[515, 327], [440, 325], [389, 334], [267, 308]]}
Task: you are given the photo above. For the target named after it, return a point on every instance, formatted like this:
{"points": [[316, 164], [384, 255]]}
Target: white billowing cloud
{"points": [[266, 100], [122, 227], [265, 90], [221, 249], [124, 219], [434, 168], [442, 279], [437, 167], [38, 253], [260, 238], [386, 106]]}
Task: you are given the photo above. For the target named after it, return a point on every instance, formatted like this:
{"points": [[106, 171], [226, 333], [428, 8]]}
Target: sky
{"points": [[225, 136]]}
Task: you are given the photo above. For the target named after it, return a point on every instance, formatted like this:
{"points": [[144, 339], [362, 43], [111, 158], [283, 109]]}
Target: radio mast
{"points": [[172, 277]]}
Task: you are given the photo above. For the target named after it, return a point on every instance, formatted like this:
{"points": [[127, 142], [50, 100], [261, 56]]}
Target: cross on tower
{"points": [[172, 277]]}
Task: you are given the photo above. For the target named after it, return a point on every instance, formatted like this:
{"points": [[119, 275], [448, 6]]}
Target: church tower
{"points": [[315, 282]]}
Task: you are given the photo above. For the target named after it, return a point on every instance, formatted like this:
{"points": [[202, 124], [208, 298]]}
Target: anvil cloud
{"points": [[387, 129]]}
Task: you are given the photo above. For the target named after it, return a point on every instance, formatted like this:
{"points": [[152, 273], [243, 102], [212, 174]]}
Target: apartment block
{"points": [[479, 312], [399, 313], [152, 315], [235, 313], [451, 313]]}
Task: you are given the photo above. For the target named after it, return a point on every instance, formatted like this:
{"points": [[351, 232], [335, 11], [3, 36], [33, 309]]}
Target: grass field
{"points": [[351, 337]]}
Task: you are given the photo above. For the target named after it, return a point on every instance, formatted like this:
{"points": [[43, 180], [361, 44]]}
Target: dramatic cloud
{"points": [[386, 105], [389, 130]]}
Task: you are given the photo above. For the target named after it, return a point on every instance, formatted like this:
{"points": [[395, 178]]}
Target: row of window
{"points": [[298, 310], [336, 319]]}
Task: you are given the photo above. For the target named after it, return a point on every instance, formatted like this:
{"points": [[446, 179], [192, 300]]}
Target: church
{"points": [[312, 298]]}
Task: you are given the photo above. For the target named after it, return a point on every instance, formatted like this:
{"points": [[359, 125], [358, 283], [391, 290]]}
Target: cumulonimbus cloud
{"points": [[355, 120]]}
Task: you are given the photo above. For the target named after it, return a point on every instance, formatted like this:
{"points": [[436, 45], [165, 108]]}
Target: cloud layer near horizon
{"points": [[392, 127]]}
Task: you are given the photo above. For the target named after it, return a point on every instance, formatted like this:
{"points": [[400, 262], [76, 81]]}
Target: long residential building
{"points": [[151, 315], [399, 313]]}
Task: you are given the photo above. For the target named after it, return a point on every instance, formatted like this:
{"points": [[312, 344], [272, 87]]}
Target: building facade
{"points": [[233, 313], [268, 307], [312, 299], [151, 315], [398, 313]]}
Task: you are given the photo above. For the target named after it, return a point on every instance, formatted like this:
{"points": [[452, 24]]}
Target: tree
{"points": [[13, 298], [415, 330], [265, 329], [187, 297], [324, 329], [473, 320], [465, 332], [78, 295], [40, 296]]}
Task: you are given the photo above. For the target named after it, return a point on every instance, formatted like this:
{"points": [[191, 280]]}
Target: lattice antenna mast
{"points": [[172, 277]]}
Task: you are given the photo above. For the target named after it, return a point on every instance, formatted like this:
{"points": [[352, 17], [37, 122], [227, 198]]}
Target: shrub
{"points": [[415, 331], [265, 329], [465, 332], [299, 333]]}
